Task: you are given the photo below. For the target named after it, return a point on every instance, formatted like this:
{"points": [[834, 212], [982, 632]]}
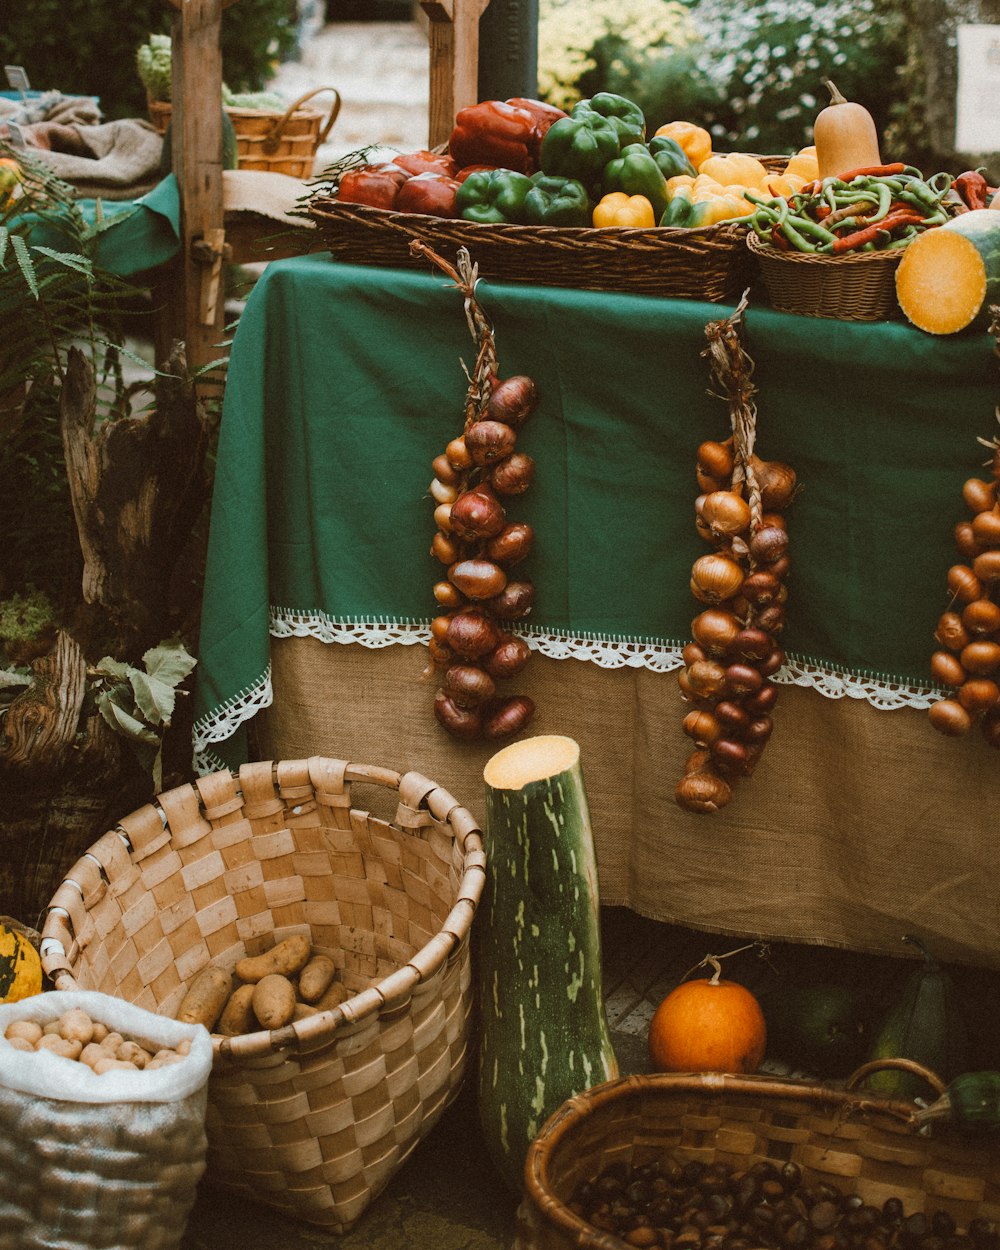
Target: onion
{"points": [[979, 694], [472, 634], [770, 664], [951, 631], [980, 657], [702, 792], [752, 643], [759, 730], [442, 492], [771, 618], [458, 454], [508, 657], [467, 685], [702, 727], [439, 627], [478, 579], [461, 721], [512, 545], [691, 653], [760, 587], [979, 495], [442, 517], [981, 616], [448, 595], [986, 527], [508, 717], [444, 548], [476, 514], [965, 540], [767, 544], [762, 700], [514, 474], [706, 678], [715, 578], [489, 441], [514, 601], [776, 482], [987, 567], [732, 717], [725, 513], [715, 631], [949, 717], [964, 584], [445, 471], [716, 459], [731, 756], [513, 400], [990, 727], [743, 679]]}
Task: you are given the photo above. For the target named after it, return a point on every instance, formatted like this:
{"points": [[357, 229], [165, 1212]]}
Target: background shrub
{"points": [[84, 48], [752, 71]]}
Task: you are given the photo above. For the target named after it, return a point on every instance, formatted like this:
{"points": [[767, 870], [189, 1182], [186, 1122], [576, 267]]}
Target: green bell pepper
{"points": [[492, 196], [636, 173], [579, 147], [626, 116], [679, 211], [671, 157], [555, 201]]}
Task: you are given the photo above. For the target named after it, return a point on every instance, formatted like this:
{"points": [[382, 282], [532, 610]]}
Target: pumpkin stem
{"points": [[713, 960], [835, 96]]}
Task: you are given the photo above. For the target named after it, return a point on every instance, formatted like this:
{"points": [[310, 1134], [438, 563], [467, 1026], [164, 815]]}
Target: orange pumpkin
{"points": [[708, 1025]]}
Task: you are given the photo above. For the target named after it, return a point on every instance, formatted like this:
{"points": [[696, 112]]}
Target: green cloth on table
{"points": [[131, 236], [345, 382]]}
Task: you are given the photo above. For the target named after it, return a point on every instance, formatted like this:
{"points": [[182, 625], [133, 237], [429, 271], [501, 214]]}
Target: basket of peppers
{"points": [[831, 248], [539, 195]]}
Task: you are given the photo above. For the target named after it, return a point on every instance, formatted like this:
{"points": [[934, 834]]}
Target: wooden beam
{"points": [[196, 148], [454, 62]]}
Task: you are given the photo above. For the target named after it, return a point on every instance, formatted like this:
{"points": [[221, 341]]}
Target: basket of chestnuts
{"points": [[703, 1161]]}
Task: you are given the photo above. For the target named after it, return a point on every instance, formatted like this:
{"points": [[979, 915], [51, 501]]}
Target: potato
{"points": [[92, 1052], [101, 1031], [59, 1045], [287, 958], [206, 997], [132, 1052], [28, 1030], [51, 1027], [237, 1015], [76, 1026], [112, 1040], [110, 1064], [315, 978], [273, 1000], [19, 1043], [303, 1011], [163, 1059], [336, 994]]}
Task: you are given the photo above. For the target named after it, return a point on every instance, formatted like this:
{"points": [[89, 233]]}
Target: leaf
{"points": [[124, 723], [111, 667], [24, 262], [80, 263], [169, 662], [155, 699]]}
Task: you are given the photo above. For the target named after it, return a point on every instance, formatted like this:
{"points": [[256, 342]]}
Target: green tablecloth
{"points": [[131, 235], [345, 382]]}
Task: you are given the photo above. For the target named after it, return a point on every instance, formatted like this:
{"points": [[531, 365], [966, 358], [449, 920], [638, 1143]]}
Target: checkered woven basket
{"points": [[313, 1118], [857, 1141]]}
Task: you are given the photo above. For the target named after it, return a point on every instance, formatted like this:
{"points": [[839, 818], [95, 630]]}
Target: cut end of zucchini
{"points": [[531, 759], [941, 282]]}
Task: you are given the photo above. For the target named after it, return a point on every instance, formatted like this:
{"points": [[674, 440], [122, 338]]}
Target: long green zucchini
{"points": [[544, 1035]]}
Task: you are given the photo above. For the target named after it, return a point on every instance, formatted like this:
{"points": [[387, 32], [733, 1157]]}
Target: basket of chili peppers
{"points": [[831, 249]]}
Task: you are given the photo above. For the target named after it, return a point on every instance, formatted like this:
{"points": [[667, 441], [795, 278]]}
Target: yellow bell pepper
{"points": [[784, 184], [619, 209], [732, 168], [695, 140], [679, 182], [704, 183], [716, 208], [804, 164]]}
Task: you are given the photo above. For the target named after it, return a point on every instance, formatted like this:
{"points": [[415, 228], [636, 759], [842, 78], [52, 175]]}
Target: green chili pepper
{"points": [[805, 225], [797, 241]]}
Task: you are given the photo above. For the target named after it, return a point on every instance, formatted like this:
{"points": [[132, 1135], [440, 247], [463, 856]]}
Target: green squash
{"points": [[543, 1030], [923, 1023], [971, 1102]]}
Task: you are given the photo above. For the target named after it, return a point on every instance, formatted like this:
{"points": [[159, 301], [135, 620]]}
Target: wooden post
{"points": [[196, 150], [454, 61]]}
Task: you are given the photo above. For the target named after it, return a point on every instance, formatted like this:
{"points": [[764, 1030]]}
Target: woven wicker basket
{"points": [[705, 264], [267, 139], [316, 1117], [859, 286], [860, 1143]]}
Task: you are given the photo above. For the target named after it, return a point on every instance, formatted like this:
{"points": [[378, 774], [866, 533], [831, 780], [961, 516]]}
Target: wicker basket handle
{"points": [[273, 136], [903, 1065]]}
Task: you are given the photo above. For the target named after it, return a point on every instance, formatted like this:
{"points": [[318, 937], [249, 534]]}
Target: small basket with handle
{"points": [[313, 1118], [859, 1142]]}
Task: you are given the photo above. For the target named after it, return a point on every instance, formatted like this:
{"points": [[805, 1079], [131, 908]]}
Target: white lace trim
{"points": [[604, 650]]}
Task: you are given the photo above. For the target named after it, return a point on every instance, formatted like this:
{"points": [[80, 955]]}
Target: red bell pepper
{"points": [[430, 193], [494, 132], [544, 114], [374, 185], [424, 162], [473, 169]]}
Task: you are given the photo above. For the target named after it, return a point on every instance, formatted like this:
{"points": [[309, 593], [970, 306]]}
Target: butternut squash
{"points": [[845, 136]]}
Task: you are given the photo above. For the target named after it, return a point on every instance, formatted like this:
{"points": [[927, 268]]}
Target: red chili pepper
{"points": [[823, 210], [374, 185], [425, 162], [873, 171], [430, 193], [494, 132], [779, 240], [973, 188], [848, 242]]}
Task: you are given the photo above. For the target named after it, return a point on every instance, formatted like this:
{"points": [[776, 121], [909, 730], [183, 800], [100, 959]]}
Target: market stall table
{"points": [[860, 824]]}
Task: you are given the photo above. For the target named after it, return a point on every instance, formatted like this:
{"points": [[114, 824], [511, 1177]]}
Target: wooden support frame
{"points": [[454, 61]]}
